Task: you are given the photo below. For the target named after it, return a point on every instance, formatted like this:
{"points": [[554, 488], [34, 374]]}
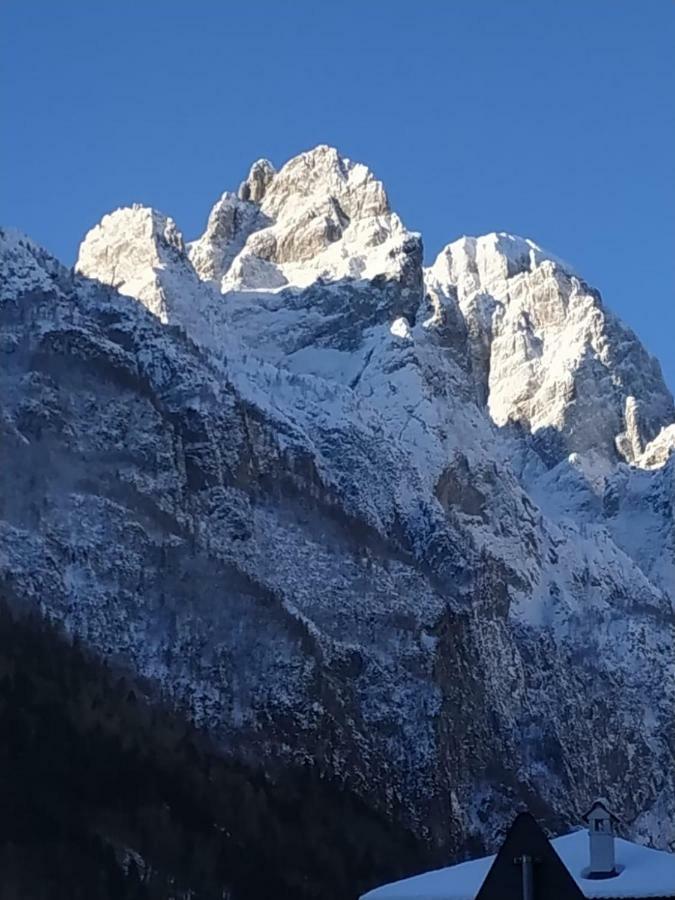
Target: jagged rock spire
{"points": [[259, 178]]}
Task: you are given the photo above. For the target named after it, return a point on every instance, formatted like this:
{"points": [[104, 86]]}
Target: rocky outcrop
{"points": [[259, 179], [326, 216], [140, 252], [546, 353], [657, 453], [360, 514], [230, 224]]}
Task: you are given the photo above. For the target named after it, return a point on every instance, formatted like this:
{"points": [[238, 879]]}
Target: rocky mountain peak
{"points": [[25, 267], [471, 263], [320, 216], [259, 178], [546, 353], [129, 250], [141, 253], [322, 174]]}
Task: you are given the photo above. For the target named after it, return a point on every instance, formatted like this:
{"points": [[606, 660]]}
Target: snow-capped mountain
{"points": [[413, 525]]}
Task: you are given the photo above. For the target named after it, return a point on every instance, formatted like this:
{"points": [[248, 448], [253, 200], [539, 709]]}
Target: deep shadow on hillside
{"points": [[105, 795]]}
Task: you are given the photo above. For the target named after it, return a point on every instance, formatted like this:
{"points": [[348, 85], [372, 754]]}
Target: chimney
{"points": [[601, 841]]}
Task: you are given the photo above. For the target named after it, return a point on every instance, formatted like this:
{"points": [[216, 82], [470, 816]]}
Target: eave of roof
{"points": [[646, 873]]}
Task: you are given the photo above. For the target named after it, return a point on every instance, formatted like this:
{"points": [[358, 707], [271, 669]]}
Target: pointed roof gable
{"points": [[504, 880], [602, 804]]}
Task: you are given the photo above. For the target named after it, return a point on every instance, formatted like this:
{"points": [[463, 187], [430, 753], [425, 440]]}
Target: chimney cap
{"points": [[601, 803]]}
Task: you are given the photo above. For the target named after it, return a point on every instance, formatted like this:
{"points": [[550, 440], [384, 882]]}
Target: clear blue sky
{"points": [[553, 119]]}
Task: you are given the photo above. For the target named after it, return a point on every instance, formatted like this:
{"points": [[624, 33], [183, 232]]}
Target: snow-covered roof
{"points": [[644, 873]]}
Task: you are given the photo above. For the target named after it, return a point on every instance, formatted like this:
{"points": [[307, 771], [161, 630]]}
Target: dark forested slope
{"points": [[103, 795]]}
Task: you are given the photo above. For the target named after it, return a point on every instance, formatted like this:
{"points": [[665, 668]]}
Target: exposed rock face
{"points": [[548, 355], [658, 451], [351, 511], [231, 222], [131, 250], [329, 217], [141, 253], [259, 178]]}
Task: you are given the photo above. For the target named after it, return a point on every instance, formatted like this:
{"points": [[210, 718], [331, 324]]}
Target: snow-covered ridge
{"points": [[24, 266], [543, 351], [358, 508]]}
